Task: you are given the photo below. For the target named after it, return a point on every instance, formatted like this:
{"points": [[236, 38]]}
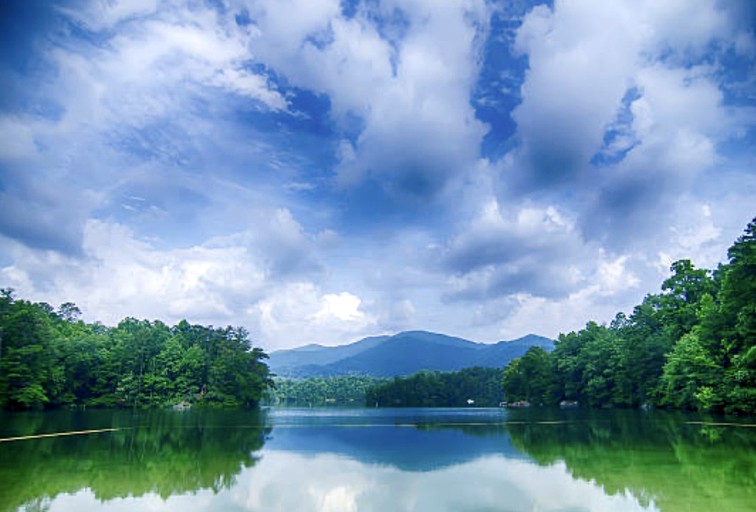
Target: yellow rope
{"points": [[721, 424], [57, 434]]}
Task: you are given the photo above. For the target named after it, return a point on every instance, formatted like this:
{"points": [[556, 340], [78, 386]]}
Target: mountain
{"points": [[319, 354], [401, 354]]}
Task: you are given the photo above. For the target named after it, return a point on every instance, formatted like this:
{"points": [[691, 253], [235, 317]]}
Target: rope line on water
{"points": [[721, 424], [57, 434], [442, 424]]}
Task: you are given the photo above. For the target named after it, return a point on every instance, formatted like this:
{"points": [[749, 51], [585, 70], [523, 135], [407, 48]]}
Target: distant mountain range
{"points": [[401, 354]]}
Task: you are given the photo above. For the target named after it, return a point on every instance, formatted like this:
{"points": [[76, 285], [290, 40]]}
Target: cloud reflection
{"points": [[287, 482]]}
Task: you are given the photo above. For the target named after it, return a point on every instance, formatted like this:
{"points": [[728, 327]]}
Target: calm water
{"points": [[377, 460]]}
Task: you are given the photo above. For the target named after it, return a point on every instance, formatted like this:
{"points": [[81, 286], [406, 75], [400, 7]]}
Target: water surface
{"points": [[377, 460]]}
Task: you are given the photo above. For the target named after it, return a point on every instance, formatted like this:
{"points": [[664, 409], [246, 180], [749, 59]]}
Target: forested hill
{"points": [[692, 346], [401, 354], [50, 358]]}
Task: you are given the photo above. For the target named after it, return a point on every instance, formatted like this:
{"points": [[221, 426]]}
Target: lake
{"points": [[377, 460]]}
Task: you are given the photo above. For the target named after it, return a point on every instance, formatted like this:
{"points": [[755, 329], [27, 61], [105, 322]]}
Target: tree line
{"points": [[472, 386], [692, 346], [50, 358], [422, 389], [319, 391]]}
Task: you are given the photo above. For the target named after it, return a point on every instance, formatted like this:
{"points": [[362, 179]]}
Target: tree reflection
{"points": [[664, 457], [161, 452]]}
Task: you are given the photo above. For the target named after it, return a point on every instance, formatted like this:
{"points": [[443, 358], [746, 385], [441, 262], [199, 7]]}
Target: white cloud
{"points": [[122, 276], [245, 279], [620, 164], [586, 58], [630, 85], [103, 114], [298, 313], [159, 45], [342, 306], [197, 46], [18, 139], [106, 14], [581, 58], [410, 93]]}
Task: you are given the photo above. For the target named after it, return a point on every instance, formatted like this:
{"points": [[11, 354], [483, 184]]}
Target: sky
{"points": [[318, 171]]}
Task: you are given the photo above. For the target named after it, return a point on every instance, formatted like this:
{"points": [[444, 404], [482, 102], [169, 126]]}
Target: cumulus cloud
{"points": [[404, 82], [112, 101], [527, 268], [342, 306], [217, 282], [299, 313], [321, 170], [581, 56], [623, 107], [507, 252]]}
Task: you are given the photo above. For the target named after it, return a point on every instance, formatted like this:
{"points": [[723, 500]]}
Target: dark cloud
{"points": [[530, 250], [415, 155], [536, 275], [624, 207], [472, 252], [283, 246], [42, 213]]}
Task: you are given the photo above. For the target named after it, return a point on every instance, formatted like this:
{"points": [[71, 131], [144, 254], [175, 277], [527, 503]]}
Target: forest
{"points": [[50, 358], [319, 391], [422, 389], [691, 346], [480, 387]]}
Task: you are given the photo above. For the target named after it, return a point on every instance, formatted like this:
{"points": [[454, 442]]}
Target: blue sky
{"points": [[319, 171]]}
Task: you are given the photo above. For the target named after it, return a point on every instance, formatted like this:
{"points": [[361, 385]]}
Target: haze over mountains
{"points": [[401, 354]]}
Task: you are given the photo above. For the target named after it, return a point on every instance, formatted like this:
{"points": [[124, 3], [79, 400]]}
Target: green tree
{"points": [[728, 328], [689, 375], [530, 377], [237, 375], [51, 358], [27, 358]]}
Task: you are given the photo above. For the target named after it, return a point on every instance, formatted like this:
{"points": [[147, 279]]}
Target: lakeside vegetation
{"points": [[50, 358], [480, 387], [422, 389], [341, 390], [692, 346]]}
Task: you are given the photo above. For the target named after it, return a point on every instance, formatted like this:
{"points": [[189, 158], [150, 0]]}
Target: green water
{"points": [[377, 460]]}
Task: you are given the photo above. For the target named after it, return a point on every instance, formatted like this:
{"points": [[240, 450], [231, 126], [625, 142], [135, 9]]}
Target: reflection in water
{"points": [[286, 481], [158, 454], [344, 460], [678, 463]]}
